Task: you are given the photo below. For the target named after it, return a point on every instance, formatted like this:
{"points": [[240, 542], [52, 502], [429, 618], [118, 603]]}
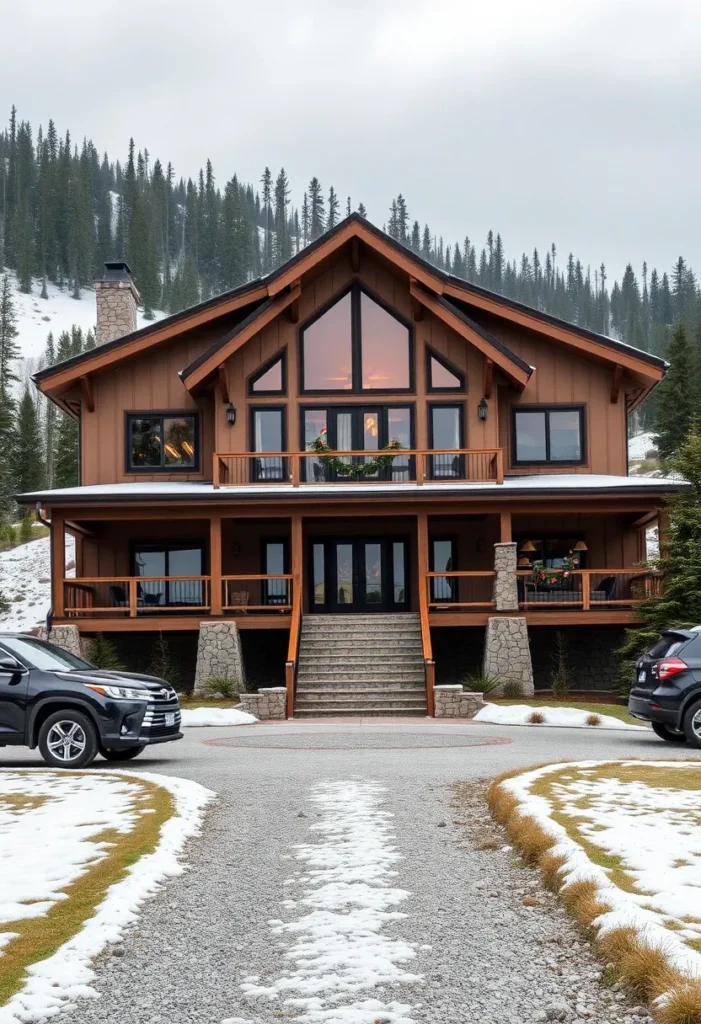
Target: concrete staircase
{"points": [[360, 665]]}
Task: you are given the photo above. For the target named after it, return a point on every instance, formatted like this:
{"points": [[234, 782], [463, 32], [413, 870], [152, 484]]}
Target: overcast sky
{"points": [[551, 120]]}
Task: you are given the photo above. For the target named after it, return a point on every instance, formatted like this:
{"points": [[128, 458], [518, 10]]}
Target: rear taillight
{"points": [[671, 667]]}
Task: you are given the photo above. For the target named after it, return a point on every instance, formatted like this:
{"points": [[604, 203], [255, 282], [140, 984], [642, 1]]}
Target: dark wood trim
{"points": [[280, 356], [223, 383], [431, 353], [616, 383], [193, 414], [488, 378], [546, 409], [87, 393]]}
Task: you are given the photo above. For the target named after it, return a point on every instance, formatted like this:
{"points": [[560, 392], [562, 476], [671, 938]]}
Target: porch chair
{"points": [[119, 596], [239, 601]]}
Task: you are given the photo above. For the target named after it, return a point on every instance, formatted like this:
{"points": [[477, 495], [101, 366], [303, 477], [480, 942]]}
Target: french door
{"points": [[358, 575], [358, 428]]}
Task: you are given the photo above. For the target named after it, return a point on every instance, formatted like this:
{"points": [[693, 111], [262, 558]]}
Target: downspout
{"points": [[48, 524]]}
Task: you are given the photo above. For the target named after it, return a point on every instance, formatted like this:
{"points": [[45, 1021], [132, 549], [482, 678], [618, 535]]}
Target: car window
{"points": [[37, 654], [666, 647]]}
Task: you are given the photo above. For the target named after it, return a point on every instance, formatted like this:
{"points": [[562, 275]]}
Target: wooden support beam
{"points": [[663, 530], [297, 570], [417, 310], [223, 383], [355, 255], [488, 378], [215, 560], [58, 563], [616, 383], [422, 565], [505, 527], [87, 393]]}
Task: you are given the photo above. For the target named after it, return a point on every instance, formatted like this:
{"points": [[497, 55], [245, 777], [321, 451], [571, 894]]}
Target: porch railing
{"points": [[455, 590], [588, 589], [445, 465], [243, 594]]}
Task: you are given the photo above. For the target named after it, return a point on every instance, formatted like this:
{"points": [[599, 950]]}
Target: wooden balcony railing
{"points": [[445, 465], [454, 590], [588, 589]]}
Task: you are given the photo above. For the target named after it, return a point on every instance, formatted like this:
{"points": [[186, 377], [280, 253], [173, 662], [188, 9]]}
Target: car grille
{"points": [[154, 721]]}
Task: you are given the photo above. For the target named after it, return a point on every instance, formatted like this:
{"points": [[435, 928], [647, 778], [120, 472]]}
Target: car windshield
{"points": [[40, 655]]}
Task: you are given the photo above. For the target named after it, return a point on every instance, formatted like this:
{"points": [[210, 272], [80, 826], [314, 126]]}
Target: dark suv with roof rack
{"points": [[667, 689], [73, 711]]}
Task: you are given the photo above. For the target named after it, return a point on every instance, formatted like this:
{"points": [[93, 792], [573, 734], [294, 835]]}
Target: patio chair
{"points": [[239, 601]]}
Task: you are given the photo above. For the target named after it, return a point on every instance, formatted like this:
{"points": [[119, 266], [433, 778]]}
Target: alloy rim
{"points": [[696, 724], [66, 741]]}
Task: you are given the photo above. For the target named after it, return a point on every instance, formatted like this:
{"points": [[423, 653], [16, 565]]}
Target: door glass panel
{"points": [[344, 434], [398, 572], [150, 563], [442, 586], [371, 434], [445, 420], [344, 574], [530, 437], [185, 562], [328, 351], [385, 348], [399, 429], [373, 573], [315, 426], [319, 586], [267, 430], [275, 590]]}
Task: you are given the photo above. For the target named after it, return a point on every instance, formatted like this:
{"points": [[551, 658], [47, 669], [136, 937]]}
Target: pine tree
{"points": [[676, 396], [9, 352], [283, 242], [163, 665], [267, 215], [316, 209], [28, 466], [102, 653], [361, 210], [332, 216]]}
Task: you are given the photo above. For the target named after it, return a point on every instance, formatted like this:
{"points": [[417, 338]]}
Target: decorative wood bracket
{"points": [[87, 393], [488, 378], [223, 383], [616, 383], [417, 310]]}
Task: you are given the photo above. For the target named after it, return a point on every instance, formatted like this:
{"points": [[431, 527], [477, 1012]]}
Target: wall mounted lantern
{"points": [[231, 414], [482, 409]]}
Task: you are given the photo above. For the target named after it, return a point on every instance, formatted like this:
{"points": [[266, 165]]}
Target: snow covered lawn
{"points": [[79, 852], [567, 718], [196, 717], [25, 580], [626, 837]]}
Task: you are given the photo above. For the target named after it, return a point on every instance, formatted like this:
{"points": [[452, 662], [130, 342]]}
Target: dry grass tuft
{"points": [[641, 968], [536, 718], [593, 719], [683, 1005], [530, 838], [501, 804], [488, 844], [582, 903], [550, 866]]}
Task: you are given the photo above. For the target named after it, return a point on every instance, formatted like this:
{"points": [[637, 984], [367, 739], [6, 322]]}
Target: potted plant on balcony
{"points": [[339, 467], [549, 578]]}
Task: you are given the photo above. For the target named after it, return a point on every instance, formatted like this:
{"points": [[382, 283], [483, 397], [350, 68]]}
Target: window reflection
{"points": [[162, 441], [385, 348], [328, 350], [270, 379]]}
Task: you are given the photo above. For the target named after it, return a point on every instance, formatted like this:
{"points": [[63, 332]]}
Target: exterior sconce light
{"points": [[231, 414], [482, 409]]}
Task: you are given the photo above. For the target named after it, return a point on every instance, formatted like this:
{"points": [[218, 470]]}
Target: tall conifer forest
{"points": [[66, 208]]}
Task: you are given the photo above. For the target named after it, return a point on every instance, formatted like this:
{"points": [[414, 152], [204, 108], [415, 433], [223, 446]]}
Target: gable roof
{"points": [[253, 298]]}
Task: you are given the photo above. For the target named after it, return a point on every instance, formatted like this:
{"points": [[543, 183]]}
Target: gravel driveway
{"points": [[455, 930]]}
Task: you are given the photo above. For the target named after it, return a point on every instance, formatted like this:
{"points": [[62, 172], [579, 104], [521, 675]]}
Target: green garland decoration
{"points": [[345, 469]]}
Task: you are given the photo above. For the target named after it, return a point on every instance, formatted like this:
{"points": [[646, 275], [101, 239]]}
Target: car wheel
{"points": [[68, 739], [666, 732], [125, 754], [692, 724]]}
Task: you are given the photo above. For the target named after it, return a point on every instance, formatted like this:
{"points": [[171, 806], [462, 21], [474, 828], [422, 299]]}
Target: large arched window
{"points": [[356, 344]]}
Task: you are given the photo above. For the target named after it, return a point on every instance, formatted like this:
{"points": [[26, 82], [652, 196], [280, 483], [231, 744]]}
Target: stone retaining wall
{"points": [[454, 702], [267, 703], [219, 654]]}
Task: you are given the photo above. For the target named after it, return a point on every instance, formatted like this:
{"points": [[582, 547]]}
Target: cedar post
{"points": [[586, 591], [422, 563], [663, 530], [215, 597], [58, 563], [505, 527]]}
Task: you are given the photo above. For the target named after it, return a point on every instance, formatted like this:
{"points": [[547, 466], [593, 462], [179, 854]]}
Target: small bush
{"points": [[593, 719], [103, 654], [4, 604], [162, 664], [8, 538], [536, 718], [222, 686], [561, 674], [479, 683], [26, 530], [512, 689]]}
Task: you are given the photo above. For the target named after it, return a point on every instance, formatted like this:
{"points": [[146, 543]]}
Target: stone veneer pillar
{"points": [[505, 581], [219, 654], [451, 701], [117, 298], [507, 654], [268, 703], [66, 637]]}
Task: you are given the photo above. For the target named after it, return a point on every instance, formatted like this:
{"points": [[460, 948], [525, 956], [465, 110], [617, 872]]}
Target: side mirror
{"points": [[10, 665]]}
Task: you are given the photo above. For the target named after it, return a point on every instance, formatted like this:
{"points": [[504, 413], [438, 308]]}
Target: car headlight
{"points": [[120, 692]]}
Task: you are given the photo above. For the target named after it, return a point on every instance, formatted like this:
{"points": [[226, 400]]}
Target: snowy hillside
{"points": [[640, 445], [25, 573]]}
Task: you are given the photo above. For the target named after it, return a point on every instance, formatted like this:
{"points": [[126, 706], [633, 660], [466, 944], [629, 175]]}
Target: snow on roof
{"points": [[161, 491]]}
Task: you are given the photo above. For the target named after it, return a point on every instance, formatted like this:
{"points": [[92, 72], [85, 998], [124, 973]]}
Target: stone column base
{"points": [[454, 702], [219, 654], [507, 654], [66, 637], [266, 704]]}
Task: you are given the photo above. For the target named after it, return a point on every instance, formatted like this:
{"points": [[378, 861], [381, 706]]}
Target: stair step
{"points": [[358, 657], [355, 712], [323, 693], [358, 676], [359, 685], [357, 702]]}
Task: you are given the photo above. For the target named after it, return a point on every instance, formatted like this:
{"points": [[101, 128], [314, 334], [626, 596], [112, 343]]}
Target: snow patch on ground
{"points": [[653, 829], [76, 807], [197, 717], [640, 445], [343, 897], [567, 718], [25, 580]]}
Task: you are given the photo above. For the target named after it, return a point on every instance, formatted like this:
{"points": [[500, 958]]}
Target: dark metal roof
{"points": [[500, 346], [259, 308]]}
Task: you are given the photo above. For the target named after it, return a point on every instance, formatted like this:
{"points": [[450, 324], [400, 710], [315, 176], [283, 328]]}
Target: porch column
{"points": [[505, 527], [422, 566], [296, 569], [505, 580], [58, 563], [215, 596]]}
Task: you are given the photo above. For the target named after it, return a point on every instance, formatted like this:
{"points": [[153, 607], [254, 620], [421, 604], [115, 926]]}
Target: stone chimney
{"points": [[117, 298]]}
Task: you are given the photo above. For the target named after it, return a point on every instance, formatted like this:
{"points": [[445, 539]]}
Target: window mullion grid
{"points": [[356, 341], [546, 415]]}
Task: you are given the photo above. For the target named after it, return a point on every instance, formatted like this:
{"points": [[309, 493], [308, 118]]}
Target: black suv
{"points": [[667, 689], [73, 711]]}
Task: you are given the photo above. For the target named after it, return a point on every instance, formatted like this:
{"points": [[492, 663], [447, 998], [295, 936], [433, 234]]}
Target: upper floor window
{"points": [[356, 344], [167, 441], [441, 375], [545, 435], [270, 379]]}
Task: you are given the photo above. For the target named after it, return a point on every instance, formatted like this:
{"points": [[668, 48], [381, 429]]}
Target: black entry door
{"points": [[358, 575]]}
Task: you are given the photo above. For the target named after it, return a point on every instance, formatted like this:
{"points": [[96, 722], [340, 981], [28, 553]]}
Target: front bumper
{"points": [[136, 723]]}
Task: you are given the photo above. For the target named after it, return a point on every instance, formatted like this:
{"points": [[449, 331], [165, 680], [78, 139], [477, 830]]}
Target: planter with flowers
{"points": [[547, 578]]}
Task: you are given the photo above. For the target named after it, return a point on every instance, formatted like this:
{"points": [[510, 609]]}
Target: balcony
{"points": [[413, 466]]}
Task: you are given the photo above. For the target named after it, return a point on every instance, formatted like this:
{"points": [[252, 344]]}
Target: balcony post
{"points": [[58, 564], [505, 527], [215, 587]]}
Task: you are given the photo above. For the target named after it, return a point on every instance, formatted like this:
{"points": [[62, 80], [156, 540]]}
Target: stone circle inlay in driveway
{"points": [[359, 741]]}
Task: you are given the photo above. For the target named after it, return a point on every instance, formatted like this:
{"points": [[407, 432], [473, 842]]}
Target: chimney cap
{"points": [[117, 271]]}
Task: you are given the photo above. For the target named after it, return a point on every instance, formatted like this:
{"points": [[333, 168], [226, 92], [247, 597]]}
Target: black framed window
{"points": [[442, 558], [553, 551], [168, 441], [446, 427], [357, 344], [359, 428], [155, 562], [271, 378], [276, 563], [268, 435], [442, 375], [543, 435]]}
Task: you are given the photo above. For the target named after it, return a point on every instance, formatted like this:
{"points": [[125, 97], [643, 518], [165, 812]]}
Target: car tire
{"points": [[666, 732], [124, 754], [692, 724], [68, 739]]}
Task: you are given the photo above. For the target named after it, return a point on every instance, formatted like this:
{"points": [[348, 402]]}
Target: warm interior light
{"points": [[173, 452], [580, 546], [528, 545], [188, 448]]}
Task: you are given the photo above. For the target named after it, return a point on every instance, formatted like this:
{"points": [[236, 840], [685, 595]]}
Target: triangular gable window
{"points": [[270, 380], [442, 377]]}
